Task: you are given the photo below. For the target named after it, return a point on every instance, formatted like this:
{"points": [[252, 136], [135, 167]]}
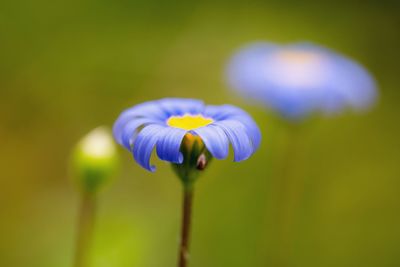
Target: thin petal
{"points": [[148, 110], [229, 112], [130, 130], [180, 106], [240, 140], [356, 87], [168, 146], [215, 140], [245, 71], [144, 145]]}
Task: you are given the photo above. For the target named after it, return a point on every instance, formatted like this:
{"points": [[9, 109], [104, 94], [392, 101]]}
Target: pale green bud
{"points": [[94, 160]]}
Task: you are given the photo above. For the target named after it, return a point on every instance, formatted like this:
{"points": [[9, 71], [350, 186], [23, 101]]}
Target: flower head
{"points": [[300, 78], [185, 132]]}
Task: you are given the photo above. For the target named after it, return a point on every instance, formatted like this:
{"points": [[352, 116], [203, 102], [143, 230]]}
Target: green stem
{"points": [[185, 228], [292, 183], [85, 229]]}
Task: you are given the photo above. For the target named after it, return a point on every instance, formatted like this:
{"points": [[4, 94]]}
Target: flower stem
{"points": [[291, 188], [85, 229], [185, 228]]}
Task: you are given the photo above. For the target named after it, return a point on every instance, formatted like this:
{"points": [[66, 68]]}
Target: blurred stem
{"points": [[292, 184], [85, 229], [185, 227]]}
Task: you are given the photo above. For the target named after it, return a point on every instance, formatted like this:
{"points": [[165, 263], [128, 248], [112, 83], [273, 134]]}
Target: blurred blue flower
{"points": [[300, 78], [164, 124]]}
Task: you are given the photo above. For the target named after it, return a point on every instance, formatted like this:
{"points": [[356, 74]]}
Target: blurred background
{"points": [[69, 66]]}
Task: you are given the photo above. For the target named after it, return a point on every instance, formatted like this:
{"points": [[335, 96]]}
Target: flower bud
{"points": [[94, 160], [195, 159]]}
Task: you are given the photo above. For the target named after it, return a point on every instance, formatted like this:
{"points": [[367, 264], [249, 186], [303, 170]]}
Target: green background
{"points": [[68, 66]]}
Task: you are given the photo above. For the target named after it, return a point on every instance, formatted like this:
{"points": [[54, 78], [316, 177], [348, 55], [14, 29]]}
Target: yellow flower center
{"points": [[298, 57], [299, 69], [189, 122]]}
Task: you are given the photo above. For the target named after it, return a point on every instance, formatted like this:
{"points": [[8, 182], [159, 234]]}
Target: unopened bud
{"points": [[195, 159], [94, 160]]}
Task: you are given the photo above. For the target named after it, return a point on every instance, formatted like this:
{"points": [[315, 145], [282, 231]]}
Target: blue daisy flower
{"points": [[300, 78], [164, 124]]}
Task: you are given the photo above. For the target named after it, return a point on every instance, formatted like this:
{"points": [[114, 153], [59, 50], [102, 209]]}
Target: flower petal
{"points": [[215, 140], [240, 140], [169, 144], [179, 106], [357, 87], [229, 112], [130, 129], [148, 110], [144, 144]]}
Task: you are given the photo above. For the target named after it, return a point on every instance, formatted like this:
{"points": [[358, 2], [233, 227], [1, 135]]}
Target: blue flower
{"points": [[301, 78], [163, 124]]}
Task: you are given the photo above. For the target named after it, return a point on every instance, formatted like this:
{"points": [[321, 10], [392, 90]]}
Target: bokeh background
{"points": [[69, 66]]}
